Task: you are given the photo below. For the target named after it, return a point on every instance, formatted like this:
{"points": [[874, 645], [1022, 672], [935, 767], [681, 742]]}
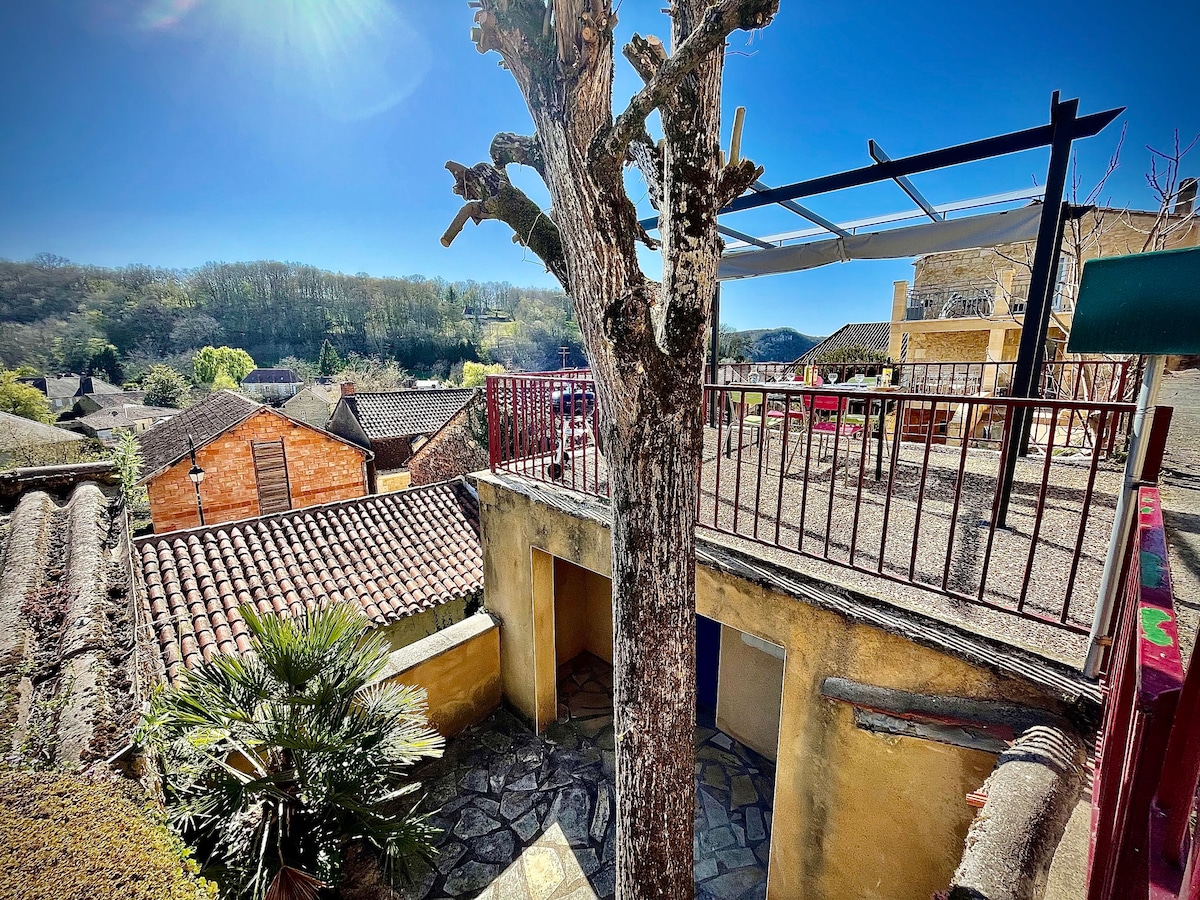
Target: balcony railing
{"points": [[950, 301], [894, 484]]}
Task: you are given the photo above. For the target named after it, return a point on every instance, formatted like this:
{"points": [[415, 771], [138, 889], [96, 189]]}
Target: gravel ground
{"points": [[813, 509]]}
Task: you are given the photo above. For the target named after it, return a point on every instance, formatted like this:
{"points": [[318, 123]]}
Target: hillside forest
{"points": [[58, 316]]}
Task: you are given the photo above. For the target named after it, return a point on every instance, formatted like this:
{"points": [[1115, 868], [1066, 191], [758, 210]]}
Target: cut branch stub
{"points": [[735, 180], [508, 148], [722, 18], [491, 195], [646, 54]]}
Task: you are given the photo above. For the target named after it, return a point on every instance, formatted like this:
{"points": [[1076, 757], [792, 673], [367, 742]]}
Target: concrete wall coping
{"points": [[437, 644]]}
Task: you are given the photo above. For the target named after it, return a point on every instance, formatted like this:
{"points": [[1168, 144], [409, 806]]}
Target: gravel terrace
{"points": [[803, 501], [527, 817]]}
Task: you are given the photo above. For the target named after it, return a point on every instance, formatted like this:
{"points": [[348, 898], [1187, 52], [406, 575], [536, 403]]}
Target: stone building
{"points": [[455, 449], [256, 460], [314, 404], [969, 305], [391, 424], [272, 384]]}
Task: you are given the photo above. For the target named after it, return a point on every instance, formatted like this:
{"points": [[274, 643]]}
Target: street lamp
{"points": [[197, 475]]}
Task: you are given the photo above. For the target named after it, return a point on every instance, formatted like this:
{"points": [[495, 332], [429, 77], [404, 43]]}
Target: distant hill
{"points": [[774, 344]]}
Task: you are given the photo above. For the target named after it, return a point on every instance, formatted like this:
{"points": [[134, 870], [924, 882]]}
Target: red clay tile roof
{"points": [[393, 555]]}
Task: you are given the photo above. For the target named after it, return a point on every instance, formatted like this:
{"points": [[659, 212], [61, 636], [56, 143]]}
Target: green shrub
{"points": [[64, 835]]}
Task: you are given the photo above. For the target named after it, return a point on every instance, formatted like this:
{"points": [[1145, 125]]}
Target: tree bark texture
{"points": [[645, 342]]}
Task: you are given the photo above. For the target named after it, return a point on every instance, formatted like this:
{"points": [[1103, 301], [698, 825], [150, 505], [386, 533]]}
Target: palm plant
{"points": [[277, 761]]}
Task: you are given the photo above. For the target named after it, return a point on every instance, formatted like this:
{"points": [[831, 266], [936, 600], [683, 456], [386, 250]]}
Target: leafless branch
{"points": [[721, 19], [490, 195], [508, 148]]}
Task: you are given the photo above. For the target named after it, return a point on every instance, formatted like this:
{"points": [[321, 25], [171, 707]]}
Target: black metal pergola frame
{"points": [[1064, 128]]}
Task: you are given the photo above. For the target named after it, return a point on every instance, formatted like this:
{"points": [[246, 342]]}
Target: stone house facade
{"points": [[255, 459], [454, 449], [313, 405], [968, 305]]}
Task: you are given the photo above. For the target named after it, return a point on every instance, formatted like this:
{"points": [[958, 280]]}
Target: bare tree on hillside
{"points": [[644, 340]]}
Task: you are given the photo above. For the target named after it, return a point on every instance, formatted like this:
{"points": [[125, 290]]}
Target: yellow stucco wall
{"points": [[460, 675], [749, 693], [857, 816], [386, 482], [582, 612]]}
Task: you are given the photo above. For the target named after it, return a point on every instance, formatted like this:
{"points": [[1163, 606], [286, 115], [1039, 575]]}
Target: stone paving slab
{"points": [[531, 818]]}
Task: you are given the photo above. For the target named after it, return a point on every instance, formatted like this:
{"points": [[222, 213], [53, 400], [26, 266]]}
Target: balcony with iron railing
{"points": [[891, 490], [951, 301]]}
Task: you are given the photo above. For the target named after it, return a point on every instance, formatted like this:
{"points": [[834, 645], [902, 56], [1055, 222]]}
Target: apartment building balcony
{"points": [[951, 301]]}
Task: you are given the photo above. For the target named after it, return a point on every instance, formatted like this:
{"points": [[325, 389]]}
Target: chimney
{"points": [[1185, 200], [347, 388]]}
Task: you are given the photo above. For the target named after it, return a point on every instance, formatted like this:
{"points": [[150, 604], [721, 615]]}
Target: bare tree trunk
{"points": [[645, 343]]}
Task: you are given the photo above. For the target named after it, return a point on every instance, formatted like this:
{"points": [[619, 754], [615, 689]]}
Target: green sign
{"points": [[1144, 303]]}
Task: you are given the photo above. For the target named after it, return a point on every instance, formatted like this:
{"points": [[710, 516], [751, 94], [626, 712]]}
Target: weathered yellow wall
{"points": [[857, 816], [749, 693], [570, 612], [582, 612], [461, 675], [386, 482]]}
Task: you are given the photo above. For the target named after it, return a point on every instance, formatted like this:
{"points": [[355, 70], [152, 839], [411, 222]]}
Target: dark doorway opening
{"points": [[708, 655]]}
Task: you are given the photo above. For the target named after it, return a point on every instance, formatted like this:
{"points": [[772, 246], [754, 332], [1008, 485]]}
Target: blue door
{"points": [[708, 654]]}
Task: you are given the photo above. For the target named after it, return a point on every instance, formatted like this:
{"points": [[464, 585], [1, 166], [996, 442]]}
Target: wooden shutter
{"points": [[270, 470]]}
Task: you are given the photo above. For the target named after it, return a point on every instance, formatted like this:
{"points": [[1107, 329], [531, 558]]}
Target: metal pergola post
{"points": [[1063, 118]]}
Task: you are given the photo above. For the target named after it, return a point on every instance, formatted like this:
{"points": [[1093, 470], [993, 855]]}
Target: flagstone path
{"points": [[531, 818]]}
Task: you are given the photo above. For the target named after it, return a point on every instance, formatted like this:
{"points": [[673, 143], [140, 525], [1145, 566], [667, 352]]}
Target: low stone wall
{"points": [[459, 668]]}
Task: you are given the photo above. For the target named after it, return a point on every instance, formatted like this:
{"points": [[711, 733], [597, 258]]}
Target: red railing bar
{"points": [[837, 432], [958, 491], [912, 561], [804, 483], [991, 538], [862, 475], [897, 433], [1105, 420], [1041, 508], [787, 421]]}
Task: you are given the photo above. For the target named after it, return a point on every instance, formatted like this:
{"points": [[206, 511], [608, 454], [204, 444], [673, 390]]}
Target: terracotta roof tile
{"points": [[393, 555]]}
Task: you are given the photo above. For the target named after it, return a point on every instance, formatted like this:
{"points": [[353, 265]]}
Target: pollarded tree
{"points": [[644, 340]]}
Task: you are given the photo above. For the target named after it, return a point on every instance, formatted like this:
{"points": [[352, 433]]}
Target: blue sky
{"points": [[175, 132]]}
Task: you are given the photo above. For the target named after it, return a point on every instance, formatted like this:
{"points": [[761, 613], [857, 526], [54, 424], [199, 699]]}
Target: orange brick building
{"points": [[256, 460]]}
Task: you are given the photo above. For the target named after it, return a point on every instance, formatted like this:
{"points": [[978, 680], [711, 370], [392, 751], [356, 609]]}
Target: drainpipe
{"points": [[1100, 637]]}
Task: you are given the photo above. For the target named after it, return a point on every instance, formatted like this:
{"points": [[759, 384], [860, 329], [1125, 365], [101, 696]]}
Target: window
{"points": [[270, 471]]}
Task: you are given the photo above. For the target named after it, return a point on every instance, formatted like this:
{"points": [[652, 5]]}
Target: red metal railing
{"points": [[894, 484], [1104, 381], [1148, 756]]}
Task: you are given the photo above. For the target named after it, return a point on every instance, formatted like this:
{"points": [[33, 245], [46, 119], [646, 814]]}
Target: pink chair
{"points": [[839, 425]]}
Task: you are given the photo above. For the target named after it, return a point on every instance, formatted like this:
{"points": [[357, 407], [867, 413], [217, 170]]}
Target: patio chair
{"points": [[842, 424], [746, 413]]}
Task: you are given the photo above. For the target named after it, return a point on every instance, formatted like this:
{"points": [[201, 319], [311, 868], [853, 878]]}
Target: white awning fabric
{"points": [[988, 230]]}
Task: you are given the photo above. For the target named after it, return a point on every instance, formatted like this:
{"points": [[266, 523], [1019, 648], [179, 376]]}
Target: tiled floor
{"points": [[529, 818]]}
